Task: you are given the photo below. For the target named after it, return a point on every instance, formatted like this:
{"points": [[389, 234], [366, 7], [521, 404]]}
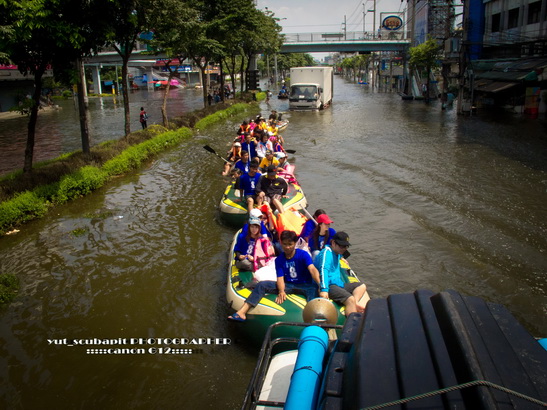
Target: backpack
{"points": [[263, 253]]}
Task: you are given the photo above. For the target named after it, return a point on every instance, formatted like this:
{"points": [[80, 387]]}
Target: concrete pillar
{"points": [[97, 79], [150, 76]]}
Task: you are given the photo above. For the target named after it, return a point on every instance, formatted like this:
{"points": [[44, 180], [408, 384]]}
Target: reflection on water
{"points": [[429, 199], [58, 130]]}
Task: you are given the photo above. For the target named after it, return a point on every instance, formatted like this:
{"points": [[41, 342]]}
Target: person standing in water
{"points": [[143, 117]]}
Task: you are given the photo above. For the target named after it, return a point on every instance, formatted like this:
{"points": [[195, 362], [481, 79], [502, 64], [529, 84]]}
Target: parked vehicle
{"points": [[311, 88]]}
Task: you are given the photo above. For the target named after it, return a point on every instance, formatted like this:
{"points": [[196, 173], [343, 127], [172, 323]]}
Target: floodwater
{"points": [[58, 129], [429, 199]]}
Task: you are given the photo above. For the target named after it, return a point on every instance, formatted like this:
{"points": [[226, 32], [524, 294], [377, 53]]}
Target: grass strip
{"points": [[34, 203]]}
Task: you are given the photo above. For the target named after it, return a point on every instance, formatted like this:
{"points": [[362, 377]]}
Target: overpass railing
{"points": [[291, 38]]}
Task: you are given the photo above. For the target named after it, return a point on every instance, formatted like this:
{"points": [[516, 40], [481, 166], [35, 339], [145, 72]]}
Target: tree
{"points": [[127, 20], [286, 61], [174, 24], [424, 57], [262, 34], [39, 34], [226, 17]]}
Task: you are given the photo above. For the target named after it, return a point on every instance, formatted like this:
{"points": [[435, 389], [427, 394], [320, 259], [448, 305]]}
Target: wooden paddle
{"points": [[212, 151]]}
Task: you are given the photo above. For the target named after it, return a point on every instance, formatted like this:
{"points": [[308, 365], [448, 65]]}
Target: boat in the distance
{"points": [[413, 350], [282, 125]]}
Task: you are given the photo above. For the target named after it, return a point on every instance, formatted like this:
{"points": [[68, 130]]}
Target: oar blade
{"points": [[208, 148]]}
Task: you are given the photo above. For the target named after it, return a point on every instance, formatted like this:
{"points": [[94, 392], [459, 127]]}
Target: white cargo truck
{"points": [[311, 88]]}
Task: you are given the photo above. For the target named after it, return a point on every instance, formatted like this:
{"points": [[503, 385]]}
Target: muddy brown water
{"points": [[429, 199]]}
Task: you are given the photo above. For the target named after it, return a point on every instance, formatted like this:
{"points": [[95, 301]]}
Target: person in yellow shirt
{"points": [[268, 160]]}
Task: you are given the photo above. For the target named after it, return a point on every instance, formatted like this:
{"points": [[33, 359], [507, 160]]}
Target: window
{"points": [[534, 10], [513, 18], [496, 20]]}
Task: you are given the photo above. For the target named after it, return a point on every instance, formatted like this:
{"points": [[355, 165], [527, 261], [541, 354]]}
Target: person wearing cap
{"points": [[264, 231], [247, 185], [295, 273], [245, 245], [283, 163], [321, 235], [233, 156], [332, 285], [271, 189], [268, 160], [310, 224]]}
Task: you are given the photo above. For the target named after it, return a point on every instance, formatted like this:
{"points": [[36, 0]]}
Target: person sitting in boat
{"points": [[283, 163], [247, 185], [278, 144], [243, 128], [245, 245], [233, 156], [264, 144], [332, 286], [271, 189], [243, 165], [264, 228], [249, 145], [295, 274], [273, 116], [310, 224], [321, 235], [268, 160]]}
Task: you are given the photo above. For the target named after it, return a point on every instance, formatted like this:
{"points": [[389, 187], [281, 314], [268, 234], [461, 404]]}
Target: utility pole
{"points": [[364, 20], [345, 28], [462, 57], [374, 20]]}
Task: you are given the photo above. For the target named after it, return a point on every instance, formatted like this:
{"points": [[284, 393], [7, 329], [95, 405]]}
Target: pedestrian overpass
{"points": [[346, 42], [343, 42]]}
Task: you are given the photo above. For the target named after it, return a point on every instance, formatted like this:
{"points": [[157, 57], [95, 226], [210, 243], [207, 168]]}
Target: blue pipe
{"points": [[308, 370]]}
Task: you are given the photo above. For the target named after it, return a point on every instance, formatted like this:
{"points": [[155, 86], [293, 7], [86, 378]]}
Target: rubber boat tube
{"points": [[306, 377]]}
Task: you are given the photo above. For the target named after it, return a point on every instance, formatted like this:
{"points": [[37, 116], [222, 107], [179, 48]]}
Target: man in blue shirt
{"points": [[247, 185], [295, 274], [249, 145], [243, 164], [332, 286]]}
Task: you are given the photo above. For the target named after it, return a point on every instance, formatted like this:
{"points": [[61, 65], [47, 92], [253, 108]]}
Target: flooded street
{"points": [[429, 199], [58, 129]]}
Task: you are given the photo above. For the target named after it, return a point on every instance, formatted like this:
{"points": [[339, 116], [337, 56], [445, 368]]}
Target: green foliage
{"points": [[33, 204], [134, 156], [21, 208], [80, 183], [286, 61], [9, 285], [66, 94], [24, 107], [80, 231], [425, 56], [221, 115]]}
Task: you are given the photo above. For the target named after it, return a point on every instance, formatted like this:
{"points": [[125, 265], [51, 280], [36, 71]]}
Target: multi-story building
{"points": [[504, 54]]}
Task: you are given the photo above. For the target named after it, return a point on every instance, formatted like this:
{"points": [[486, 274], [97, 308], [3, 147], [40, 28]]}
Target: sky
{"points": [[327, 16], [310, 16]]}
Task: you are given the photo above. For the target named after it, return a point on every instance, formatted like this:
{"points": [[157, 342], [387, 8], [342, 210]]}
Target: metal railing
{"points": [[291, 38]]}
